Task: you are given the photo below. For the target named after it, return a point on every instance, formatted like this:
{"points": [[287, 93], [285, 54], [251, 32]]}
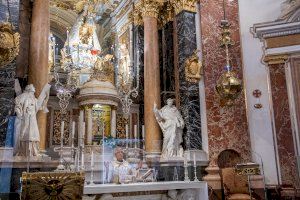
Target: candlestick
{"points": [[195, 169], [92, 159], [186, 173], [135, 136]]}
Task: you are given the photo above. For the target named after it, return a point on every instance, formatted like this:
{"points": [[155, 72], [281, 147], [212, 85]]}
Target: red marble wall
{"points": [[283, 125], [227, 127]]}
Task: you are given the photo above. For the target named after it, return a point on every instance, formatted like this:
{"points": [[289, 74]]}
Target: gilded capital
{"points": [[276, 59], [136, 15], [150, 8], [167, 13], [187, 5]]}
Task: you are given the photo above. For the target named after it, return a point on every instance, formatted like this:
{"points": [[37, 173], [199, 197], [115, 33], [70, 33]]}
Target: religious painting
{"points": [[101, 120]]}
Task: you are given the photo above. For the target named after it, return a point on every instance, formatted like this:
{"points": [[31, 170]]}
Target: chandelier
{"points": [[80, 52], [125, 81]]}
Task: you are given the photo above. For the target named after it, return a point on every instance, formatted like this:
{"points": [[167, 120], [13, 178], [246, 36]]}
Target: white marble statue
{"points": [[288, 8], [26, 126], [171, 124]]}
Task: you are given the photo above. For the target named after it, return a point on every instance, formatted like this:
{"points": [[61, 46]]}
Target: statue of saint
{"points": [[27, 132], [171, 124]]}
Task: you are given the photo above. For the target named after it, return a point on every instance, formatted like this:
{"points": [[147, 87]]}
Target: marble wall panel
{"points": [[188, 92], [167, 66], [284, 133], [227, 126]]}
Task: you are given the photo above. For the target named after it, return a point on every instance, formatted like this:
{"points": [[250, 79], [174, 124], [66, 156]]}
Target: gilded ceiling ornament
{"points": [[150, 8], [276, 59], [187, 5], [52, 185], [193, 68], [9, 43]]}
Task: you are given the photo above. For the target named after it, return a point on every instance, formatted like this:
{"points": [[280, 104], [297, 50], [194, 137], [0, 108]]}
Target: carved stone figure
{"points": [[171, 124], [26, 126]]}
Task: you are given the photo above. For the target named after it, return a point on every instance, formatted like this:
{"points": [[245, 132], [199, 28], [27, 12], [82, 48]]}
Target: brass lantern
{"points": [[9, 43], [229, 86]]}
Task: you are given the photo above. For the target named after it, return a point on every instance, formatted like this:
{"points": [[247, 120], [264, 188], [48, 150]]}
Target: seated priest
{"points": [[119, 170]]}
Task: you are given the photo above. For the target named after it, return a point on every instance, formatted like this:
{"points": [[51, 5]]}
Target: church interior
{"points": [[149, 99]]}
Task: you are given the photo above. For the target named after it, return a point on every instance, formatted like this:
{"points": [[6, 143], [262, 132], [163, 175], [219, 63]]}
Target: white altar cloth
{"points": [[200, 187]]}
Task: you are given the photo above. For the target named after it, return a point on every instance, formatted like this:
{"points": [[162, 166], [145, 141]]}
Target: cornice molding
{"points": [[276, 59]]}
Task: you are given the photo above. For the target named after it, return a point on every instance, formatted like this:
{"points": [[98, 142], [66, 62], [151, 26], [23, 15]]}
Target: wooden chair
{"points": [[235, 186]]}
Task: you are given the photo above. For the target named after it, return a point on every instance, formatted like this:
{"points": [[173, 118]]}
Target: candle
{"points": [[82, 160], [135, 136], [143, 132], [92, 159], [126, 129], [62, 133], [83, 133], [73, 129], [54, 56], [185, 162], [194, 159], [135, 132]]}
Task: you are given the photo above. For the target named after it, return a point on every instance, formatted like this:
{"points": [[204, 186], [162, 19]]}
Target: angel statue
{"points": [[26, 127], [171, 124]]}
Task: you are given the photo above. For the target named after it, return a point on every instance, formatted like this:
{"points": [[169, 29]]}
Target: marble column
{"points": [[151, 77], [188, 92], [113, 120], [38, 58], [282, 120], [89, 123]]}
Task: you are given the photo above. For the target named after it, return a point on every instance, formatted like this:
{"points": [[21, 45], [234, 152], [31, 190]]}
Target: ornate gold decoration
{"points": [[276, 59], [57, 125], [104, 69], [226, 35], [150, 8], [193, 68], [52, 185], [187, 5], [121, 126], [229, 88], [228, 85], [136, 17], [86, 32], [247, 169], [167, 13], [9, 43]]}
